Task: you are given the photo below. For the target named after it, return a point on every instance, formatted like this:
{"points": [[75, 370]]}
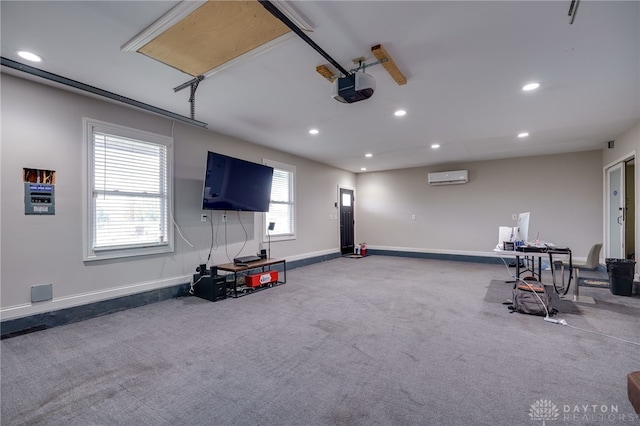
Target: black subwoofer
{"points": [[210, 287]]}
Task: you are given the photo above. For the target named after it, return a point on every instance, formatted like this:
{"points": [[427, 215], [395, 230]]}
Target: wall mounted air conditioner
{"points": [[448, 178]]}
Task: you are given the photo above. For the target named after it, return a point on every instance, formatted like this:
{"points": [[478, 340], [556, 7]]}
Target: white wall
{"points": [[562, 192], [42, 128]]}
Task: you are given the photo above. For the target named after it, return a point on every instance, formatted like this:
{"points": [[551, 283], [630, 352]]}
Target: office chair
{"points": [[592, 262]]}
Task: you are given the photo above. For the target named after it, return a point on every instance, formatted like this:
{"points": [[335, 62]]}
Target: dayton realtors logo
{"points": [[544, 410]]}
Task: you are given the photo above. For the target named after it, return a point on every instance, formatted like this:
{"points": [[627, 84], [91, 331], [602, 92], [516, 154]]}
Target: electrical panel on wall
{"points": [[39, 191]]}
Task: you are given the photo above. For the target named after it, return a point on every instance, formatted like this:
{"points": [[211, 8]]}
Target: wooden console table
{"points": [[259, 264]]}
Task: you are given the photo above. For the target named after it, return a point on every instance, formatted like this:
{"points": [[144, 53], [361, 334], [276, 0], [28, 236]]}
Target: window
{"points": [[128, 190], [282, 204]]}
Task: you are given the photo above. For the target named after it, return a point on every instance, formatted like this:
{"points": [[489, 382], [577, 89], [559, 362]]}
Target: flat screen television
{"points": [[235, 184]]}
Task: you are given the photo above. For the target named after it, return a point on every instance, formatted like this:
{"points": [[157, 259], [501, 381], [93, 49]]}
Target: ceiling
{"points": [[465, 64]]}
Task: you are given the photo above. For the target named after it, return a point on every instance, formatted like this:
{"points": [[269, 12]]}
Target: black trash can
{"points": [[621, 273]]}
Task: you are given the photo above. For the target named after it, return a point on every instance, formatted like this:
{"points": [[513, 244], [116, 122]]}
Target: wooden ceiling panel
{"points": [[213, 34]]}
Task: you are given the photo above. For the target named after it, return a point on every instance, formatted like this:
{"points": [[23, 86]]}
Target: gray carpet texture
{"points": [[373, 341]]}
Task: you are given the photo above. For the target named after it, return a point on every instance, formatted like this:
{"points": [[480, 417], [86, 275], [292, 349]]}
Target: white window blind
{"points": [[281, 206], [129, 190]]}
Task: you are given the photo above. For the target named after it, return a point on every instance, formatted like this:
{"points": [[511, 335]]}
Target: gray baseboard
{"points": [[44, 320], [438, 256], [41, 321], [311, 260], [18, 326]]}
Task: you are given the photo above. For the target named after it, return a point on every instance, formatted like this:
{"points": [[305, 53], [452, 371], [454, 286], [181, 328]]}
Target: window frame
{"points": [[89, 253], [284, 236]]}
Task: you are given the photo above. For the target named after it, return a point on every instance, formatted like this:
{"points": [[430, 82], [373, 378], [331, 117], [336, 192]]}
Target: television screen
{"points": [[234, 184]]}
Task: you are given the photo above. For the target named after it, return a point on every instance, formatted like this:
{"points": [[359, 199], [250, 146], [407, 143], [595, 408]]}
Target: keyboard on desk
{"points": [[532, 249]]}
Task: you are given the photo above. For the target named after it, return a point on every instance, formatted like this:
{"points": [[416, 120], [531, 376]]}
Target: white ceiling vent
{"points": [[448, 178]]}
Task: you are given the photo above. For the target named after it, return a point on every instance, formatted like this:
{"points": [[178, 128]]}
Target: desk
{"points": [[260, 264], [532, 255], [529, 255], [559, 288]]}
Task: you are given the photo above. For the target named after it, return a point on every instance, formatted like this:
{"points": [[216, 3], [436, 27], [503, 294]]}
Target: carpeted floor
{"points": [[382, 341], [353, 256]]}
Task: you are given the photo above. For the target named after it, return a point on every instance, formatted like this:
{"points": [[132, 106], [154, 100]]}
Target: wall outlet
{"points": [[224, 217], [203, 217], [413, 217], [514, 216]]}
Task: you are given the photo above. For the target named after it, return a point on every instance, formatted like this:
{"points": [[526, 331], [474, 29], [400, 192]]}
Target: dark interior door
{"points": [[346, 221]]}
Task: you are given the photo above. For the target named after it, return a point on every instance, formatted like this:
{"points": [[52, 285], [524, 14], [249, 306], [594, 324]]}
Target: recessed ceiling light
{"points": [[530, 86], [314, 131], [368, 155], [435, 145], [364, 169], [400, 113], [29, 56], [523, 135]]}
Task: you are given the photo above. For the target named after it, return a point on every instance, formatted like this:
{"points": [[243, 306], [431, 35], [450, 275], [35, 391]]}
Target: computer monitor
{"points": [[522, 228]]}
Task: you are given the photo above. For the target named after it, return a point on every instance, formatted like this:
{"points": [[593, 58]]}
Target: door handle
{"points": [[619, 220]]}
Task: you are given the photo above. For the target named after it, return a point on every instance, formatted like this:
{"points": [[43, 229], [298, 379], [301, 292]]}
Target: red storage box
{"points": [[257, 280]]}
